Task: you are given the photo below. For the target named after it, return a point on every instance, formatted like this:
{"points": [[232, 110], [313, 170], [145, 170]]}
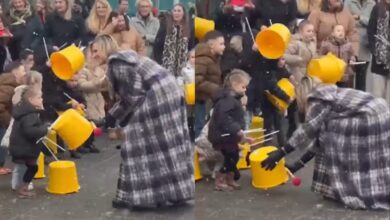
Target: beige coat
{"points": [[90, 83], [298, 56], [130, 39], [325, 21]]}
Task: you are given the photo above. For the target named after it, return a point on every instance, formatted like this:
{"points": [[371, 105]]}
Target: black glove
{"points": [[109, 121], [294, 167], [275, 156]]}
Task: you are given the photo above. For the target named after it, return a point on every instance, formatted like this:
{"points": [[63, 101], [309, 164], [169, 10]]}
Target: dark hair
{"points": [[212, 35], [325, 6], [12, 66], [25, 53], [184, 23], [120, 1], [116, 14]]}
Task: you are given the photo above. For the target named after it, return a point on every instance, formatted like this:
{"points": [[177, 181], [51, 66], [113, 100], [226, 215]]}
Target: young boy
{"points": [[26, 130], [338, 44], [226, 127], [207, 74]]}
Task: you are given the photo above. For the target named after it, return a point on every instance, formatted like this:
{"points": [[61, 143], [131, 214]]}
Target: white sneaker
{"points": [[30, 186]]}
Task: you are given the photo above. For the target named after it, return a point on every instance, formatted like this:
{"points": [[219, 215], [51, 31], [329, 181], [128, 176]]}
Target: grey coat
{"points": [[157, 153], [148, 29]]}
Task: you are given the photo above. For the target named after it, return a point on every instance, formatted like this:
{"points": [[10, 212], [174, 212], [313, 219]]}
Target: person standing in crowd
{"points": [[173, 41], [63, 27], [5, 36], [98, 18], [24, 25], [333, 12], [208, 76], [125, 35], [123, 8], [157, 152], [146, 24], [208, 9], [43, 8], [305, 7], [378, 32], [351, 132], [27, 59], [269, 12]]}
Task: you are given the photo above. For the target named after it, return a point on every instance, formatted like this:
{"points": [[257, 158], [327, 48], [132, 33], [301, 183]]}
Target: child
{"points": [[26, 130], [338, 44], [27, 59], [188, 72], [301, 50], [239, 5], [207, 74], [226, 127]]}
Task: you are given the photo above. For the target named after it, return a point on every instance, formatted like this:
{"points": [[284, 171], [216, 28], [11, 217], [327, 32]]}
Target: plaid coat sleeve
{"points": [[316, 115]]}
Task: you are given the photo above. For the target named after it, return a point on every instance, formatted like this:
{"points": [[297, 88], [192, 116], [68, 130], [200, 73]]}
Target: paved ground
{"points": [[281, 203], [98, 177]]}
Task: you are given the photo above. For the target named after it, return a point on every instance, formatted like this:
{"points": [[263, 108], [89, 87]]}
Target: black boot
{"points": [[93, 149], [83, 150], [74, 154]]}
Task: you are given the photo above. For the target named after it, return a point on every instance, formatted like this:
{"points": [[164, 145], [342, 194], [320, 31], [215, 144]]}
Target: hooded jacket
{"points": [[7, 86], [26, 130]]}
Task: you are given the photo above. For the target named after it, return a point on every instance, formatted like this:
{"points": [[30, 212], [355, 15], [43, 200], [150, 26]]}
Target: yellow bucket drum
{"points": [[257, 122], [41, 167], [273, 41], [202, 26], [285, 85], [266, 179], [67, 62], [190, 93], [197, 174], [329, 68], [241, 164], [62, 178], [73, 128]]}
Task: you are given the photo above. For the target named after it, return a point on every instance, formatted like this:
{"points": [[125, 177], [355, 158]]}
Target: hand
{"points": [[48, 64], [102, 80], [249, 140], [255, 47], [75, 105], [55, 48], [263, 27], [353, 59], [109, 121], [356, 17], [115, 21], [82, 106], [273, 158]]}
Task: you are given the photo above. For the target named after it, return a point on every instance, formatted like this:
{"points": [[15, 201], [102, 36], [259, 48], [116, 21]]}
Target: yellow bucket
{"points": [[73, 128], [257, 122], [190, 93], [285, 85], [197, 174], [62, 177], [329, 68], [266, 179], [41, 167], [202, 26], [52, 136], [241, 164], [273, 41], [65, 63]]}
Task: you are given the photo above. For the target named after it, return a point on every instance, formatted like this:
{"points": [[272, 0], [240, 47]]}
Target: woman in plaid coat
{"points": [[157, 154], [351, 130]]}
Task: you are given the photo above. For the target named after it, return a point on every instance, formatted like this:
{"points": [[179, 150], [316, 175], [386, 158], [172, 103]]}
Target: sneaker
{"points": [[30, 186]]}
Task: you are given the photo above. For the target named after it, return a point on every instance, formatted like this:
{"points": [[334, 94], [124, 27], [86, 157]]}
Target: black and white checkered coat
{"points": [[157, 154], [353, 153]]}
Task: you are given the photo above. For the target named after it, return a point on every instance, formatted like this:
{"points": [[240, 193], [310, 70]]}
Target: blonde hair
{"points": [[68, 13], [93, 22], [139, 1], [236, 75], [30, 92], [34, 78], [106, 43], [303, 90]]}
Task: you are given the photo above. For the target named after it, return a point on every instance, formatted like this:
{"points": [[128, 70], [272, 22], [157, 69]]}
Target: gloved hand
{"points": [[109, 121], [272, 159]]}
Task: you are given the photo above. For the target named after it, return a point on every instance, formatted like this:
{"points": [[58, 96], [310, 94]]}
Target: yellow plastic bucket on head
{"points": [[266, 179], [73, 128], [190, 93], [65, 63], [285, 85], [273, 41], [202, 26], [241, 164], [329, 68], [41, 167], [197, 174], [62, 177]]}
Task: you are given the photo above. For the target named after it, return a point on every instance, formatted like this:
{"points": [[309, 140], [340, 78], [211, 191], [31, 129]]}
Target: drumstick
{"points": [[272, 133], [247, 131], [250, 29], [63, 45], [260, 142], [44, 44]]}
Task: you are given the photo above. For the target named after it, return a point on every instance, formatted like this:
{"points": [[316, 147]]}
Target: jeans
{"points": [[200, 117], [17, 175], [3, 150]]}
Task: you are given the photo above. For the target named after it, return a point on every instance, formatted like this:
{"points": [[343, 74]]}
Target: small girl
{"points": [[338, 44], [188, 72], [226, 127], [26, 130]]}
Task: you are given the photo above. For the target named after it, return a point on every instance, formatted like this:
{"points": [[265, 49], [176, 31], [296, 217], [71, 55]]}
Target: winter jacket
{"points": [[25, 35], [364, 11], [298, 55], [26, 130], [275, 11], [127, 39], [208, 8], [371, 32], [325, 21], [7, 86], [59, 32], [148, 29], [89, 84], [207, 73], [342, 49], [227, 118], [307, 6]]}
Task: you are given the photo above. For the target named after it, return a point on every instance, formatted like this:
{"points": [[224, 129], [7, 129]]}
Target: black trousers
{"points": [[32, 169], [230, 161]]}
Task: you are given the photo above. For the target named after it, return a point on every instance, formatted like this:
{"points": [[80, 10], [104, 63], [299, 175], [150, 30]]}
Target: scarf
{"points": [[382, 50], [19, 17], [175, 51]]}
